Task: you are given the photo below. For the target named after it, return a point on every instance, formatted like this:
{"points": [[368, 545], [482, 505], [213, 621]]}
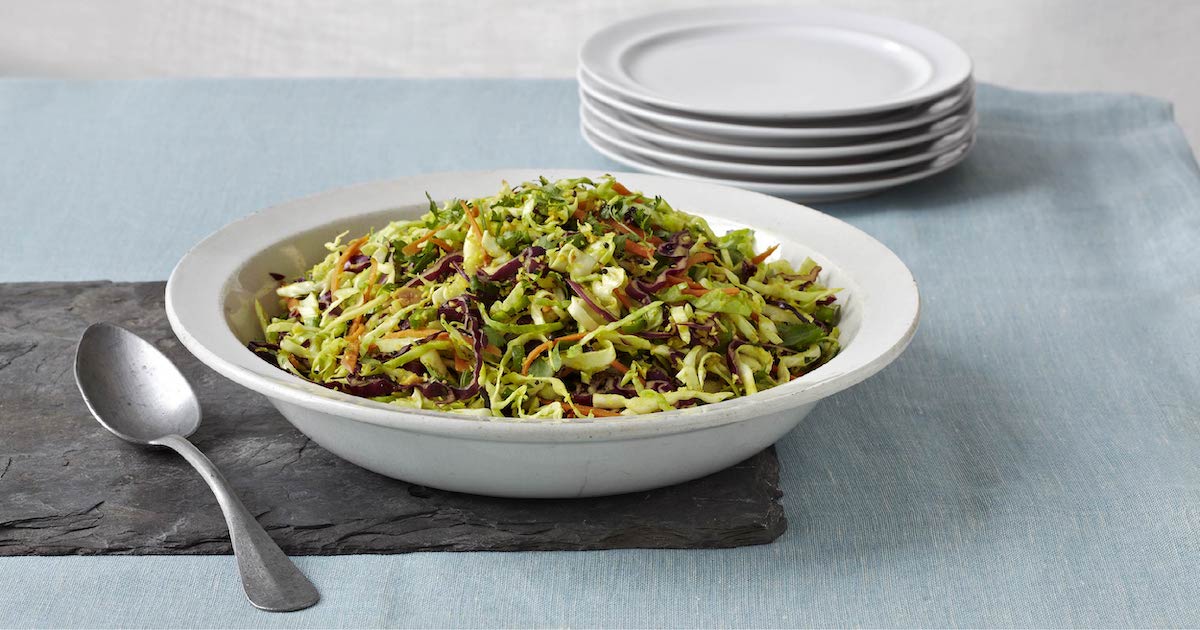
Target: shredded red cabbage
{"points": [[439, 270], [731, 354], [367, 386], [583, 295], [677, 246], [529, 258], [357, 263]]}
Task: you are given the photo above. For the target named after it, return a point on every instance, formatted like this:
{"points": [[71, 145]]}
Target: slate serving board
{"points": [[68, 487]]}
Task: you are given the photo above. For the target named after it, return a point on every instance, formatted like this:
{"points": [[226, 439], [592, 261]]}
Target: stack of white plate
{"points": [[811, 104]]}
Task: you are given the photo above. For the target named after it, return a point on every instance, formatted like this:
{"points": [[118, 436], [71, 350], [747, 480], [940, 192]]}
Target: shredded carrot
{"points": [[546, 345], [699, 290], [621, 226], [639, 249], [595, 411], [579, 214], [446, 247], [411, 332], [351, 249], [415, 246], [574, 409], [634, 231], [625, 300], [350, 358], [493, 350], [693, 284], [620, 189], [472, 213], [700, 257], [618, 366], [371, 280], [757, 260], [473, 216], [542, 347], [460, 364]]}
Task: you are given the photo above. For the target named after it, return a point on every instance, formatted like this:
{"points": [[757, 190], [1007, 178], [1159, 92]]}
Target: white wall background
{"points": [[1148, 46]]}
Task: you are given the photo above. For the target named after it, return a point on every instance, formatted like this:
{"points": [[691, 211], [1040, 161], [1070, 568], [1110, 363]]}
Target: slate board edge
{"points": [[75, 310]]}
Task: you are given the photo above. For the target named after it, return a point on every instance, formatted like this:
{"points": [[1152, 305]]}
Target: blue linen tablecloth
{"points": [[1032, 460]]}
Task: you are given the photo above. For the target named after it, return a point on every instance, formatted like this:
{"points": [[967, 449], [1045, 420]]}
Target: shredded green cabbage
{"points": [[566, 299]]}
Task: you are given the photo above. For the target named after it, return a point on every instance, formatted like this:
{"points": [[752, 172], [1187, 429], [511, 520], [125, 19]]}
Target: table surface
{"points": [[1031, 460]]}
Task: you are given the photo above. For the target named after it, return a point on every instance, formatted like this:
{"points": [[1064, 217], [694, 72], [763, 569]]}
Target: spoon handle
{"points": [[271, 581]]}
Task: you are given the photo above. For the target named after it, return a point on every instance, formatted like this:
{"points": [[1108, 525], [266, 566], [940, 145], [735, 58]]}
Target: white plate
{"points": [[773, 62], [943, 111], [843, 188], [936, 134], [210, 297], [760, 170]]}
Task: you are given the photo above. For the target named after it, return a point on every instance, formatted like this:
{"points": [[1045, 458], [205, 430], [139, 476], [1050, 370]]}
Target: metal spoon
{"points": [[138, 394]]}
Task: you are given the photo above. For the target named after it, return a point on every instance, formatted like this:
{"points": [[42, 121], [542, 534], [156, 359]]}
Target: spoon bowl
{"points": [[140, 396], [132, 388]]}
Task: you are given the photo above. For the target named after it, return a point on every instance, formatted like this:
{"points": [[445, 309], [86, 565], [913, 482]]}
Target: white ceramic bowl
{"points": [[210, 305]]}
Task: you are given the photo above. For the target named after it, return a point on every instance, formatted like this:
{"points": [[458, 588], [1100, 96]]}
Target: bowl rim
{"points": [[198, 285]]}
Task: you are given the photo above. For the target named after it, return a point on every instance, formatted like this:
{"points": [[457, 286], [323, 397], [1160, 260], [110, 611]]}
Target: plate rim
{"points": [[720, 128], [647, 131], [606, 44], [799, 192], [778, 170]]}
